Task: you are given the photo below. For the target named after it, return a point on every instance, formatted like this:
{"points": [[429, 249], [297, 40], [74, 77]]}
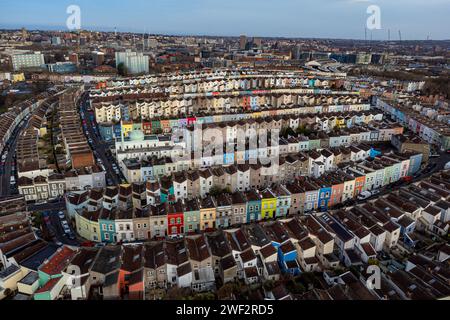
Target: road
{"points": [[6, 169], [99, 146], [54, 224], [435, 165]]}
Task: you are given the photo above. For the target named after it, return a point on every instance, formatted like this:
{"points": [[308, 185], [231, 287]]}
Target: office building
{"points": [[134, 62], [27, 60]]}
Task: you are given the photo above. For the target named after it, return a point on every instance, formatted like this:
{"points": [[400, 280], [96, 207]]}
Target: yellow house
{"points": [[256, 115], [30, 283], [43, 130], [10, 277], [208, 214], [268, 204], [17, 77], [127, 127], [340, 122], [87, 225]]}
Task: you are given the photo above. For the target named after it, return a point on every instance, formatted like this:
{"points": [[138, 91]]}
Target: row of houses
{"points": [[111, 110], [223, 81], [70, 136], [252, 121], [245, 176], [252, 253], [432, 131], [170, 153], [183, 203], [10, 120], [216, 85], [287, 165], [31, 160], [38, 189]]}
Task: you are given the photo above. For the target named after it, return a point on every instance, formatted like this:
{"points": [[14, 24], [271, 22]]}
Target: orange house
{"points": [[359, 184], [336, 194], [136, 286], [131, 276]]}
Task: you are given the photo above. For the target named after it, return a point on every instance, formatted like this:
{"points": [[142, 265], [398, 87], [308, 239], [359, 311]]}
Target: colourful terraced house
{"points": [[283, 201], [175, 220], [87, 225], [117, 128], [268, 204], [147, 127], [324, 197], [107, 227], [253, 206], [208, 214], [156, 126], [127, 127], [192, 216]]}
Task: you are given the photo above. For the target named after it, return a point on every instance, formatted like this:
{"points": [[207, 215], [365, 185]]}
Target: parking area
{"points": [[60, 229]]}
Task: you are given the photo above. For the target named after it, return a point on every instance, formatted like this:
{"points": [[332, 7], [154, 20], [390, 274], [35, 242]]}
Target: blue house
{"points": [[253, 102], [253, 206], [228, 157], [106, 131], [287, 258], [167, 190], [415, 162], [107, 230], [374, 153], [407, 225], [117, 130], [324, 198]]}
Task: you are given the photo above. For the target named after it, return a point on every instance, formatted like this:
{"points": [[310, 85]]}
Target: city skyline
{"points": [[290, 19]]}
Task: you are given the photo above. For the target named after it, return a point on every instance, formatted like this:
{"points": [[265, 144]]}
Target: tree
{"points": [[286, 132], [225, 292], [122, 69], [204, 296], [215, 191], [37, 220], [176, 293]]}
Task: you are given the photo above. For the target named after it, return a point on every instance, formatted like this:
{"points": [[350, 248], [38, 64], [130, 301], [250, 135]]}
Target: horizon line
{"points": [[60, 28]]}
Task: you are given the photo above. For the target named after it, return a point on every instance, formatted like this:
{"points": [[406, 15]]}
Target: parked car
{"points": [[364, 195], [61, 215]]}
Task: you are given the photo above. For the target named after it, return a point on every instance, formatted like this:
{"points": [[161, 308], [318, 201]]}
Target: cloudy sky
{"points": [[417, 19]]}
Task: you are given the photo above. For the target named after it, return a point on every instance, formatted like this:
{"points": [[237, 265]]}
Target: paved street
{"points": [[54, 224], [6, 170], [99, 146]]}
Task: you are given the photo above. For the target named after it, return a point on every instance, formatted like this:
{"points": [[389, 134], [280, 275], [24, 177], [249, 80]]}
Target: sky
{"points": [[417, 19]]}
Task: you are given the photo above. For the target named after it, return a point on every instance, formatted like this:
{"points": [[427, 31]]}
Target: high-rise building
{"points": [[73, 57], [27, 60], [134, 62], [98, 58], [24, 34], [257, 42], [242, 42]]}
